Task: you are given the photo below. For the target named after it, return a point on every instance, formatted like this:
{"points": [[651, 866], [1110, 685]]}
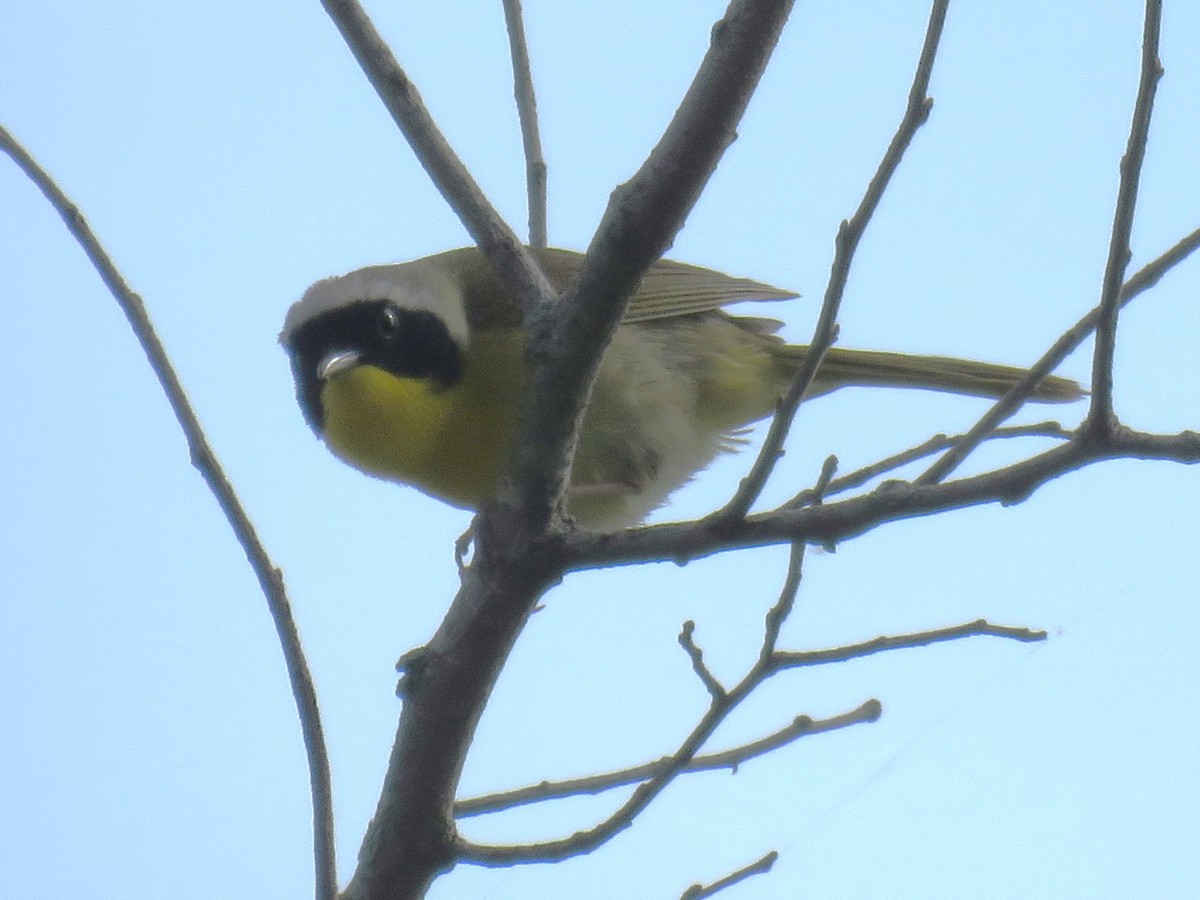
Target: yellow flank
{"points": [[741, 388], [449, 442]]}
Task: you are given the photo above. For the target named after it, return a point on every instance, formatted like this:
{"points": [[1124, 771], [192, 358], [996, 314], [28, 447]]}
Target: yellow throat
{"points": [[451, 442]]}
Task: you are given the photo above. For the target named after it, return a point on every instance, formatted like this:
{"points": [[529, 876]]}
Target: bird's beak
{"points": [[336, 363]]}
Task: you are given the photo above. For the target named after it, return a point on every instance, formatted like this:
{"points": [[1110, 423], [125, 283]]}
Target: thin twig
{"points": [[794, 659], [1150, 274], [643, 795], [759, 867], [1101, 418], [512, 261], [777, 614], [722, 704], [732, 759], [711, 684], [588, 840], [1142, 280], [849, 235], [817, 492], [270, 578], [654, 776], [770, 662], [933, 445], [535, 164]]}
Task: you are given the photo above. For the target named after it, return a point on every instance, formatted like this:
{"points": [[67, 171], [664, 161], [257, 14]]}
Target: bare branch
{"points": [[934, 444], [801, 726], [411, 838], [711, 684], [1151, 273], [641, 221], [655, 776], [1113, 294], [836, 522], [769, 663], [777, 614], [512, 261], [1144, 279], [759, 867], [535, 165], [270, 578], [1101, 417], [723, 702], [585, 841], [518, 551], [588, 840], [815, 495], [794, 659], [916, 113]]}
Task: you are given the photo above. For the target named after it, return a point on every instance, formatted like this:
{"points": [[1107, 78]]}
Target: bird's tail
{"points": [[877, 368]]}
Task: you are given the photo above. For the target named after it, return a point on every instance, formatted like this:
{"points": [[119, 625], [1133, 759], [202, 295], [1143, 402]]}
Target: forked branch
{"points": [[1113, 294], [639, 224], [734, 757], [916, 113], [1101, 418], [411, 837], [653, 777], [512, 262]]}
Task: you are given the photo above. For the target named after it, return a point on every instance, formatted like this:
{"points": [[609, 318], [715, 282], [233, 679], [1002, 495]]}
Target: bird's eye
{"points": [[389, 323]]}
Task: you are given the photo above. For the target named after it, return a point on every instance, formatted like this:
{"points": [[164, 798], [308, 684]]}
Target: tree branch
{"points": [[759, 867], [849, 235], [535, 165], [711, 684], [1151, 273], [512, 261], [933, 445], [656, 775], [566, 342], [270, 578], [778, 614], [732, 759], [770, 662], [1144, 279], [1101, 417], [518, 550], [411, 838], [891, 501], [795, 659], [722, 703]]}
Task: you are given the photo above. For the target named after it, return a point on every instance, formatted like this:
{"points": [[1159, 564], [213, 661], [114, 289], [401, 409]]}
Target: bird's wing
{"points": [[677, 289], [671, 288], [668, 289]]}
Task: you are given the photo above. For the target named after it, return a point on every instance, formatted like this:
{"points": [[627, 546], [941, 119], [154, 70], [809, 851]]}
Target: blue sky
{"points": [[229, 154]]}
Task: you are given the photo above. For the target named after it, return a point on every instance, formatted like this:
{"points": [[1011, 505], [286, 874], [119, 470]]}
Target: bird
{"points": [[412, 372]]}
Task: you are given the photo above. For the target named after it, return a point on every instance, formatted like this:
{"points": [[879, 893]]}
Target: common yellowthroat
{"points": [[413, 371]]}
